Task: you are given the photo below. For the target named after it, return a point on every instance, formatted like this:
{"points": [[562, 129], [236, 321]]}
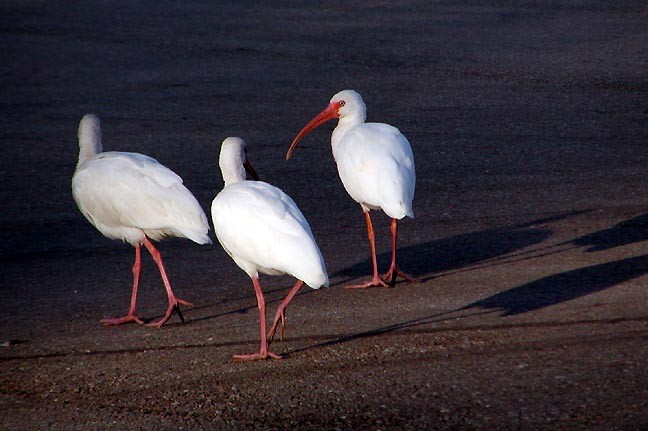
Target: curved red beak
{"points": [[327, 114]]}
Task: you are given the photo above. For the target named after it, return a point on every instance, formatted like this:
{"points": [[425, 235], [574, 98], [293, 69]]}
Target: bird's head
{"points": [[346, 103], [89, 137], [234, 161]]}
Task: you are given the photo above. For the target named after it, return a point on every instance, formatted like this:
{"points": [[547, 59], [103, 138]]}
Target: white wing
{"points": [[126, 195], [376, 166], [263, 230]]}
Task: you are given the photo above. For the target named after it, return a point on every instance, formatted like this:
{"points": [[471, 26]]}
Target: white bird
{"points": [[133, 198], [376, 166], [264, 231]]}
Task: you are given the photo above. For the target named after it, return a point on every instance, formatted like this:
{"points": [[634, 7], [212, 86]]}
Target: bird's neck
{"points": [[345, 124], [89, 145], [233, 174]]}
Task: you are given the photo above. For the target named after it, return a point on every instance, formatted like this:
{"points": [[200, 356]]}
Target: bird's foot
{"points": [[375, 281], [174, 305], [130, 317], [256, 356], [394, 272]]}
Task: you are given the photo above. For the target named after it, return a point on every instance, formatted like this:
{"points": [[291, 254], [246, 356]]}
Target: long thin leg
{"points": [[375, 280], [263, 353], [280, 316], [173, 300], [131, 316], [394, 270]]}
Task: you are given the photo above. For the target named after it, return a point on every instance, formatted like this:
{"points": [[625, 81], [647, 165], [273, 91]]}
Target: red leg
{"points": [[131, 316], [394, 270], [263, 353], [375, 280], [173, 300], [280, 316]]}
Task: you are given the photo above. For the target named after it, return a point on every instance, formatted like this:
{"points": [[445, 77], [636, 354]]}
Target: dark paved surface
{"points": [[529, 124]]}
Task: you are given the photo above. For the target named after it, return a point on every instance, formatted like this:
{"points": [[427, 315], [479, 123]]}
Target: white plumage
{"points": [[376, 166], [264, 231], [129, 195], [132, 197]]}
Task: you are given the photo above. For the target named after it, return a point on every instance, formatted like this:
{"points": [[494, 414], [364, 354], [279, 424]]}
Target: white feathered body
{"points": [[376, 166], [264, 231], [129, 195]]}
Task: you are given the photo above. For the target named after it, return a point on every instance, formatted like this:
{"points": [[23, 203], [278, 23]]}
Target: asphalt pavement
{"points": [[529, 125]]}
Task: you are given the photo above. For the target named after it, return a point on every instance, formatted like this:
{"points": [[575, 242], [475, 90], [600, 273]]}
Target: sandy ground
{"points": [[529, 124]]}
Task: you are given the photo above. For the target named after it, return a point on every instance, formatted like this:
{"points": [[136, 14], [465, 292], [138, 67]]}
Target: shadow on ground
{"points": [[623, 233], [494, 247], [565, 286], [432, 258], [538, 294], [545, 292], [436, 256]]}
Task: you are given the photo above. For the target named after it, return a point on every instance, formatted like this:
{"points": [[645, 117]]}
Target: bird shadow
{"points": [[436, 258], [623, 233], [545, 292], [565, 286], [429, 260], [538, 294], [498, 246]]}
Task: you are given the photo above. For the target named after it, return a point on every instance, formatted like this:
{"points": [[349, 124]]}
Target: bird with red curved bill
{"points": [[261, 228], [133, 198], [376, 166]]}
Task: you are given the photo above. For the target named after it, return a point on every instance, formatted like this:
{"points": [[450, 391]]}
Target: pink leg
{"points": [[375, 280], [131, 316], [263, 353], [394, 270], [173, 300], [280, 316]]}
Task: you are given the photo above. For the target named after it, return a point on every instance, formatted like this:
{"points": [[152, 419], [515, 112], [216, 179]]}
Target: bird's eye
{"points": [[342, 103]]}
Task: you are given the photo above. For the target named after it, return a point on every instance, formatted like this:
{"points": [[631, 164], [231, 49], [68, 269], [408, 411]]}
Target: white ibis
{"points": [[376, 166], [133, 198], [262, 229]]}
